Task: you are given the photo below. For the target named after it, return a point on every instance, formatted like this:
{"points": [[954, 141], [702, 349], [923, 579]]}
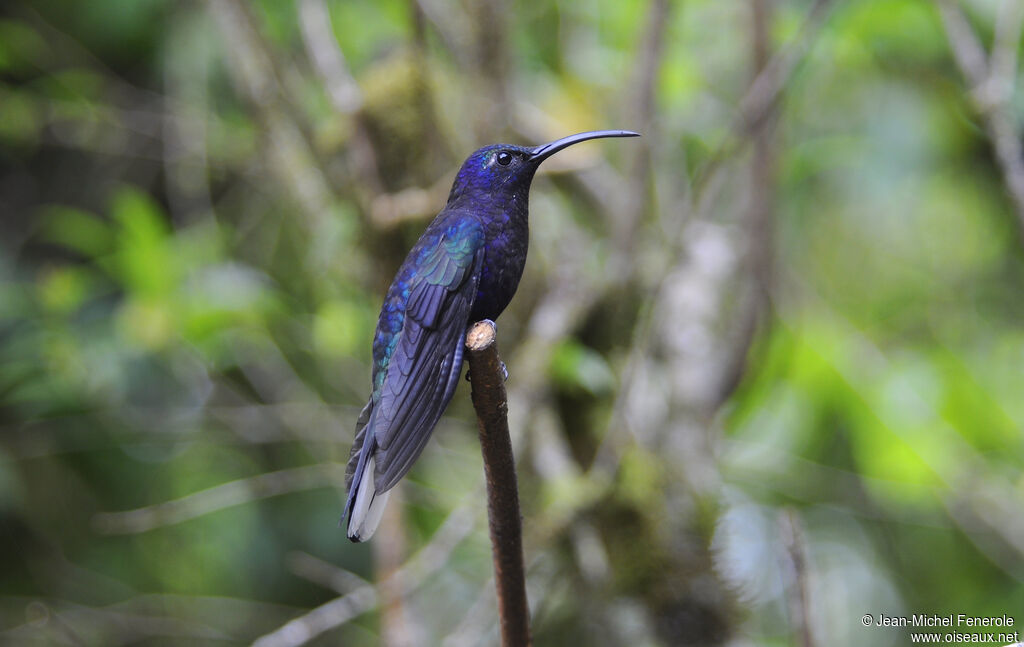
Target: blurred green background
{"points": [[767, 362]]}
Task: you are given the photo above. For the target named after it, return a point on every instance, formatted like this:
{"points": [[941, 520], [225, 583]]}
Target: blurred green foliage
{"points": [[193, 251]]}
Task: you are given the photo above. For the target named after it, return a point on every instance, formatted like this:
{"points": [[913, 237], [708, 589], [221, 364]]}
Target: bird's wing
{"points": [[424, 368], [357, 443]]}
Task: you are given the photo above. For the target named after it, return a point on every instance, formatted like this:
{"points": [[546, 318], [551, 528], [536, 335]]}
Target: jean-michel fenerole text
{"points": [[950, 620]]}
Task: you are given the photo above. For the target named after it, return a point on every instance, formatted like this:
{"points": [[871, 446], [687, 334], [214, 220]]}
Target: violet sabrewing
{"points": [[464, 268]]}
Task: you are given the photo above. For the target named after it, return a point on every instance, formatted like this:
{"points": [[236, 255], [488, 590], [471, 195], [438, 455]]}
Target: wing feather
{"points": [[424, 368]]}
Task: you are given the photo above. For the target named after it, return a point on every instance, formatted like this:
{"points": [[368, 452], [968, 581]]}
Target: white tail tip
{"points": [[368, 507]]}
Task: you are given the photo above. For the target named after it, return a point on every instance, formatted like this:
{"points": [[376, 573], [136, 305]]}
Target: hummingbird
{"points": [[464, 268]]}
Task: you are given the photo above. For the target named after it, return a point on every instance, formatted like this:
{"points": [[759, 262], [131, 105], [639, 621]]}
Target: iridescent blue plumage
{"points": [[465, 267]]}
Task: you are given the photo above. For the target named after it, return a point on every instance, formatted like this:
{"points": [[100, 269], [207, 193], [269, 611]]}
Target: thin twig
{"points": [[388, 210], [967, 49], [759, 258], [323, 573], [59, 622], [799, 599], [323, 618], [346, 97], [479, 619], [397, 622], [491, 405], [327, 57], [762, 96], [219, 497], [252, 70], [492, 66], [430, 559], [452, 28], [1005, 47], [759, 101], [645, 84], [990, 90]]}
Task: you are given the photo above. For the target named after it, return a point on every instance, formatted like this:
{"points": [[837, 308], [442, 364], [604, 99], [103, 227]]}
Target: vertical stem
{"points": [[492, 68], [642, 112], [799, 596], [396, 626], [759, 256], [491, 405], [763, 163]]}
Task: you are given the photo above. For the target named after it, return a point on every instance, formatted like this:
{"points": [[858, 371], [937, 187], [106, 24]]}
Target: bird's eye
{"points": [[504, 158]]}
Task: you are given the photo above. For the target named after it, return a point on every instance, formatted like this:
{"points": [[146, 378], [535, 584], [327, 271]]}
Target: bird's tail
{"points": [[365, 505]]}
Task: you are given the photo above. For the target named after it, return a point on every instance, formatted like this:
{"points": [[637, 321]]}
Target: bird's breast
{"points": [[504, 260]]}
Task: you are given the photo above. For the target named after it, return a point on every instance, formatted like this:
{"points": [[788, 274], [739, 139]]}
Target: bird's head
{"points": [[502, 170]]}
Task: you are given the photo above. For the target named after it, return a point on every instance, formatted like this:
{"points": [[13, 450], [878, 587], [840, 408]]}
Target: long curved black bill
{"points": [[545, 151]]}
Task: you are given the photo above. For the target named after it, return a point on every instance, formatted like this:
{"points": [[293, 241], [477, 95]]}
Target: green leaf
{"points": [[578, 367], [63, 289], [20, 117], [144, 259], [20, 46], [77, 230], [341, 328]]}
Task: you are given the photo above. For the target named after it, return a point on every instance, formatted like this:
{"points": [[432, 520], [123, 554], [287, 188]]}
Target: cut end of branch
{"points": [[481, 335]]}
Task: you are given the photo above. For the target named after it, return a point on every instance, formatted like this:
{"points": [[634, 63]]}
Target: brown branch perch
{"points": [[489, 400]]}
